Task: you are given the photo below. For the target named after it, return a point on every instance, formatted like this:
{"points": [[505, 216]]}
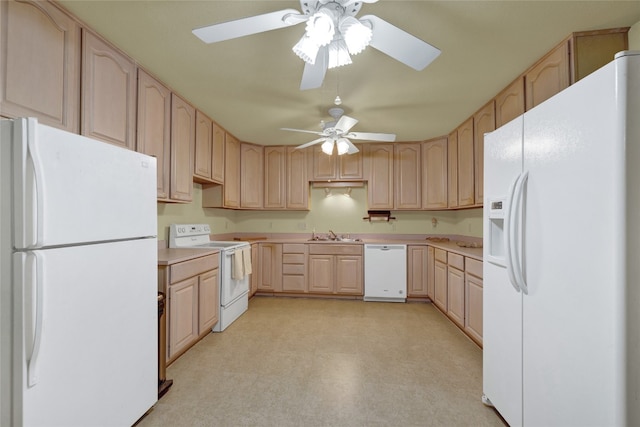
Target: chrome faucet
{"points": [[332, 235]]}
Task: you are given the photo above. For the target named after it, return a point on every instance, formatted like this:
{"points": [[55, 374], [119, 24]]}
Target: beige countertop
{"points": [[168, 256]]}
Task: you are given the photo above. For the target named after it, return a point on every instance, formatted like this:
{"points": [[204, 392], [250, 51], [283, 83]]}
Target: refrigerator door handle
{"points": [[508, 257], [518, 233], [32, 362], [33, 154]]}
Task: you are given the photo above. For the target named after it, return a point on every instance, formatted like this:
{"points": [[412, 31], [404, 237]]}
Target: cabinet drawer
{"points": [[293, 248], [293, 258], [455, 261], [184, 270], [441, 255], [473, 267], [334, 249], [293, 269], [293, 284]]}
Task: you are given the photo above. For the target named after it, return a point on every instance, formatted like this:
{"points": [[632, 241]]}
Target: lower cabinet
{"points": [[294, 268], [455, 288], [473, 298], [254, 279], [440, 279], [336, 269], [418, 271], [193, 301], [270, 265]]}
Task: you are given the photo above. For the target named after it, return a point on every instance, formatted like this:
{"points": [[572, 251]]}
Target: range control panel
{"points": [[181, 230]]}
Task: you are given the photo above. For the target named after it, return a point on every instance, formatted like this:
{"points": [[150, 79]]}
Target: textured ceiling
{"points": [[250, 85]]}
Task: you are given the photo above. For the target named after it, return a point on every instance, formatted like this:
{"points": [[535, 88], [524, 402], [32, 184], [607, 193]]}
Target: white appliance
{"points": [[561, 260], [79, 279], [385, 273], [234, 292]]}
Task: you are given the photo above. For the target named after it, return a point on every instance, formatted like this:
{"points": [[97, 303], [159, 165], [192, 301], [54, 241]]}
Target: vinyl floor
{"points": [[323, 362]]}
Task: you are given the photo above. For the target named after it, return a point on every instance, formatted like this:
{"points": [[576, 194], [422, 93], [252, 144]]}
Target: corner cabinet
{"points": [[286, 185], [154, 127], [109, 89], [37, 36]]}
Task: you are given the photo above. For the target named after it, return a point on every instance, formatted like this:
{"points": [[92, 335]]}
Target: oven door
{"points": [[231, 289]]}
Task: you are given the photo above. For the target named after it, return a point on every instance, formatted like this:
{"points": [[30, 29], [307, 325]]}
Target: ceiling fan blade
{"points": [[352, 148], [247, 26], [313, 75], [400, 45], [309, 144], [368, 136], [345, 123], [303, 130]]}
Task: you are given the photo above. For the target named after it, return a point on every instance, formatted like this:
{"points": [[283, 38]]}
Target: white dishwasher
{"points": [[385, 273]]}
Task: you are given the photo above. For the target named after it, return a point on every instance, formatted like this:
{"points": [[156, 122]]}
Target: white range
{"points": [[234, 292]]}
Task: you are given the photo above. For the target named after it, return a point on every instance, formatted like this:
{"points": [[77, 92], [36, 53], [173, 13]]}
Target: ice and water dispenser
{"points": [[496, 245]]}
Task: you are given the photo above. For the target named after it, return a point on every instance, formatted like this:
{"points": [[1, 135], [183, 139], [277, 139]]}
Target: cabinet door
{"points": [[440, 285], [452, 169], [217, 153], [417, 270], [108, 93], [379, 158], [321, 274], [351, 166], [209, 301], [270, 267], [325, 167], [231, 172], [465, 164], [203, 148], [434, 174], [255, 264], [473, 308], [251, 176], [183, 315], [297, 179], [348, 279], [37, 36], [183, 120], [275, 178], [154, 127], [483, 122], [430, 272], [548, 76], [455, 295], [510, 102], [408, 180]]}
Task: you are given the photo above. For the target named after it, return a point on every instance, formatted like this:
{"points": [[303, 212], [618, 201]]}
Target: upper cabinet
{"points": [[154, 127], [452, 172], [510, 102], [37, 36], [286, 184], [297, 179], [379, 170], [183, 135], [251, 176], [547, 77], [231, 193], [408, 177], [434, 174], [209, 151], [109, 83], [465, 164], [347, 167], [484, 121]]}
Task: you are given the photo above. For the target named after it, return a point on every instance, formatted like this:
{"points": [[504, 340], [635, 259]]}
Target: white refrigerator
{"points": [[562, 256], [78, 297]]}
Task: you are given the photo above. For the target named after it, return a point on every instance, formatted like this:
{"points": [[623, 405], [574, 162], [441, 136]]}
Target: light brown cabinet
{"points": [[270, 267], [408, 177], [203, 153], [109, 89], [417, 271], [379, 170], [510, 102], [347, 167], [231, 193], [335, 269], [434, 174], [285, 178], [547, 77], [254, 279], [38, 36], [431, 264], [183, 120], [440, 293], [297, 179], [452, 169], [154, 127], [294, 268], [193, 301], [483, 122], [455, 288], [251, 176], [466, 171], [473, 298]]}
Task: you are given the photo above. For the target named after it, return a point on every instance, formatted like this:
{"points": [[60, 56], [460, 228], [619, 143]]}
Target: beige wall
{"points": [[337, 212], [634, 37]]}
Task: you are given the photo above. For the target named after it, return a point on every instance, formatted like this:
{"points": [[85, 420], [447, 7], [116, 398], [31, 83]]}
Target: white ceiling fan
{"points": [[337, 133], [332, 34]]}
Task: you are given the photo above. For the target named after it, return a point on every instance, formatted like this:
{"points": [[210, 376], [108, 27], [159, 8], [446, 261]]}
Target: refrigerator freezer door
{"points": [[97, 358], [574, 244], [502, 314], [65, 187]]}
